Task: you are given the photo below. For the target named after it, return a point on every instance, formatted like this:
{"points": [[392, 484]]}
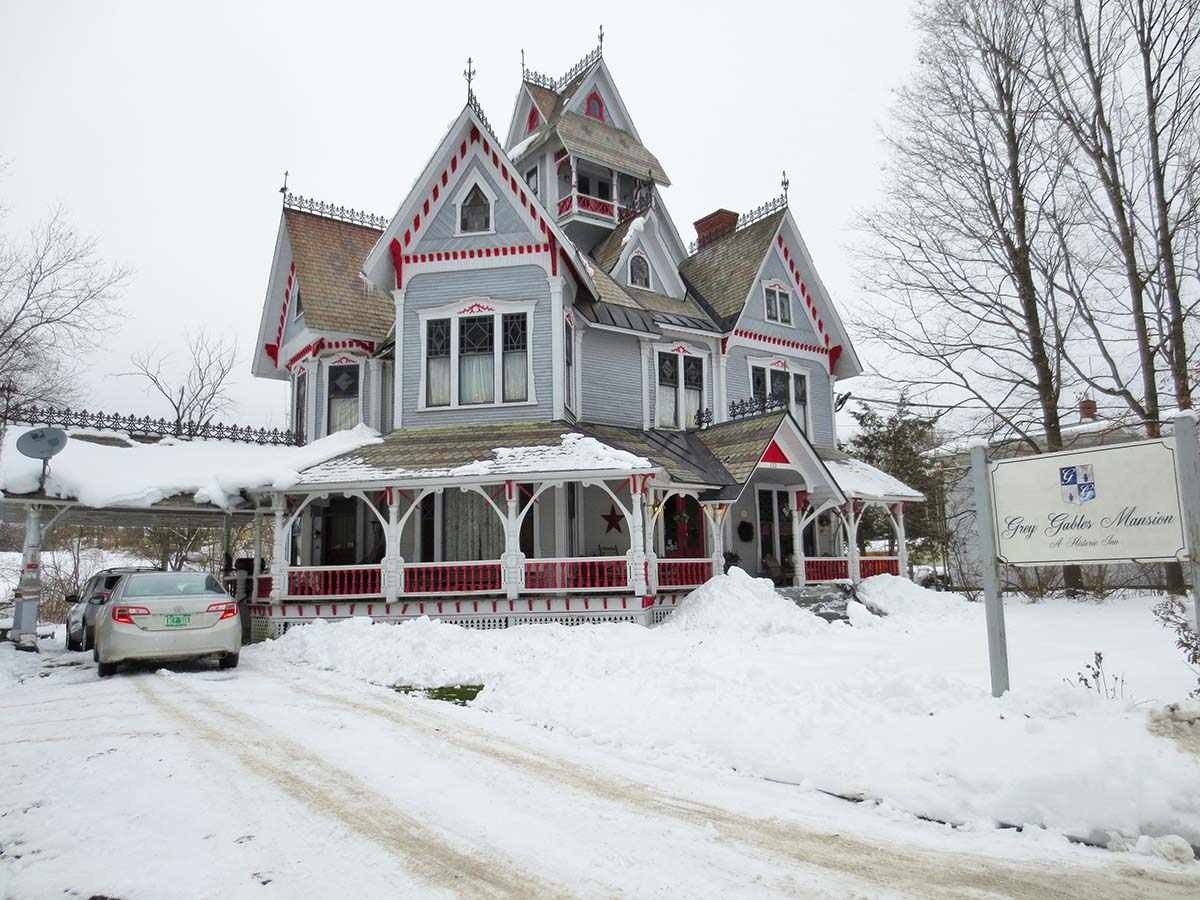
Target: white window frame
{"points": [[327, 363], [472, 180], [781, 289], [680, 349], [792, 367], [297, 308], [468, 308], [532, 185], [649, 271]]}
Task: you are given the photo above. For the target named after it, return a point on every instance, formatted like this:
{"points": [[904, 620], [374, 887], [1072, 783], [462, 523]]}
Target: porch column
{"points": [[512, 564], [650, 528], [561, 541], [637, 536], [29, 589], [901, 539], [799, 505], [393, 562], [716, 522], [256, 569], [852, 564], [279, 552]]}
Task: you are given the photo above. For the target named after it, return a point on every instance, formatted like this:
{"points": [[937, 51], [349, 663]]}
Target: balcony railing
{"points": [[595, 207], [677, 573], [595, 573]]}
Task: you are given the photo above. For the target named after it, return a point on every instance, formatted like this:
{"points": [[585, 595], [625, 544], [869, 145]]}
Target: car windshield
{"points": [[172, 584]]}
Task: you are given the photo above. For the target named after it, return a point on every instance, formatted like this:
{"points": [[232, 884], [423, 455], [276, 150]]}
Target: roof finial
{"points": [[283, 190], [469, 74], [522, 61], [602, 38], [784, 183]]}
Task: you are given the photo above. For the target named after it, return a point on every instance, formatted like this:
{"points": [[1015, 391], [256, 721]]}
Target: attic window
{"points": [[298, 307], [475, 214], [532, 120], [639, 271], [593, 106]]}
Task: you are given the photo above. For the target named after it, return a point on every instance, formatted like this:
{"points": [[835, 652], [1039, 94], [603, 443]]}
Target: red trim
{"points": [[598, 114], [398, 261], [835, 353], [773, 454], [320, 345], [532, 120], [779, 342], [809, 306]]}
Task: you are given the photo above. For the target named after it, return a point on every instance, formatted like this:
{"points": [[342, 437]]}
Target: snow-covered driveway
{"points": [[275, 780]]}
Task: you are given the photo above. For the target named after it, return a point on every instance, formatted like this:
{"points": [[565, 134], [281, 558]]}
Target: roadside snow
{"points": [[140, 475], [897, 710]]}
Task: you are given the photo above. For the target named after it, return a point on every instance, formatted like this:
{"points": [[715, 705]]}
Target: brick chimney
{"points": [[713, 226], [1087, 409]]}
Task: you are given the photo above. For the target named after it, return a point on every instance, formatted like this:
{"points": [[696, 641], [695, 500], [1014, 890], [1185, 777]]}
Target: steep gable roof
{"points": [[723, 272], [608, 251], [328, 255], [609, 146]]}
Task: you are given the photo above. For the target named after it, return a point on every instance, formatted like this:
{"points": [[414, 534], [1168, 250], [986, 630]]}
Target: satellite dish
{"points": [[42, 443]]}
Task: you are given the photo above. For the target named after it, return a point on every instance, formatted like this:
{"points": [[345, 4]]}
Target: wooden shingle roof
{"points": [[723, 272], [609, 146], [329, 254], [739, 445]]}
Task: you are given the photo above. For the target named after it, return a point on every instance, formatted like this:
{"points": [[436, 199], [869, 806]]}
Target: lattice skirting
{"points": [[273, 620]]}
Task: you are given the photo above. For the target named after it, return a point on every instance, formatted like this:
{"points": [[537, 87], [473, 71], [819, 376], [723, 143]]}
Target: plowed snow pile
{"points": [[895, 707]]}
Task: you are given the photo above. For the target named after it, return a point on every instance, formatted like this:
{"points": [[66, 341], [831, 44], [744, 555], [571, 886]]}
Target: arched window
{"points": [[533, 120], [593, 107], [639, 271], [475, 214]]}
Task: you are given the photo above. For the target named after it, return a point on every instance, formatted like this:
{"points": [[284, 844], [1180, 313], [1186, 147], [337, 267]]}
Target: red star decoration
{"points": [[612, 520]]}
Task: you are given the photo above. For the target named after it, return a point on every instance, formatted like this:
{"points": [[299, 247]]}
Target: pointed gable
{"points": [[723, 272]]}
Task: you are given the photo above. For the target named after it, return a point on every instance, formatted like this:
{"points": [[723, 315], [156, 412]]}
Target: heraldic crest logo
{"points": [[1078, 484]]}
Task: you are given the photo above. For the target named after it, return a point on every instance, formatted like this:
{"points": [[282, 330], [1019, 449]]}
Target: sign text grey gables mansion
{"points": [[1105, 504]]}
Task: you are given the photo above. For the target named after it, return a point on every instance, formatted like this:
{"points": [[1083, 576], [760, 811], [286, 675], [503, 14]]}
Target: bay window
{"points": [[479, 355], [680, 394], [343, 398]]}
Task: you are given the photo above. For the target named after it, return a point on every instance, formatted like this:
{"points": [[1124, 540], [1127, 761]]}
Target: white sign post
{"points": [[1135, 502]]}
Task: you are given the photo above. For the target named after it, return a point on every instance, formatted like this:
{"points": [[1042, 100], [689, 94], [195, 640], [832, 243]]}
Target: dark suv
{"points": [[81, 619]]}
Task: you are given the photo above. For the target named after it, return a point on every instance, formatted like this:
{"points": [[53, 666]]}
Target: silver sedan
{"points": [[167, 616]]}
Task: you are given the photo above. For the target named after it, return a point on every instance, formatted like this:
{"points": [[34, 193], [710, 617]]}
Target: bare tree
{"points": [[950, 255], [56, 297], [201, 392]]}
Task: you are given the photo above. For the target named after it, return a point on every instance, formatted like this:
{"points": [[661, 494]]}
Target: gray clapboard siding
{"points": [[435, 289], [611, 379], [511, 227]]}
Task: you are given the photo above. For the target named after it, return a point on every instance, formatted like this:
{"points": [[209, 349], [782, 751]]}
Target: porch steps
{"points": [[825, 600]]}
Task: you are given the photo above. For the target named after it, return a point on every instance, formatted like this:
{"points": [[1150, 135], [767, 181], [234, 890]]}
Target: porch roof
{"points": [[862, 481]]}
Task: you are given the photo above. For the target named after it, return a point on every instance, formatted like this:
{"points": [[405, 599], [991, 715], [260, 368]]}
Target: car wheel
{"points": [[105, 669], [229, 661], [71, 644], [88, 640]]}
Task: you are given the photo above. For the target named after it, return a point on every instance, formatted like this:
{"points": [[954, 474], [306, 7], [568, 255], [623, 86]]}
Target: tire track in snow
{"points": [[921, 873], [330, 791]]}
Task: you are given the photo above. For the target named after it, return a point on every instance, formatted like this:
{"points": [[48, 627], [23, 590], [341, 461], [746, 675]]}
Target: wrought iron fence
{"points": [[744, 409], [333, 211], [143, 426], [745, 220]]}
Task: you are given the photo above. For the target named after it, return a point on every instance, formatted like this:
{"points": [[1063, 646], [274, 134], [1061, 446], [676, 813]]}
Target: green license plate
{"points": [[178, 621]]}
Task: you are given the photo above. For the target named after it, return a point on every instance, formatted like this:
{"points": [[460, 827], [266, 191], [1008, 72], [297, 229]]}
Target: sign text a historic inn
{"points": [[1100, 505]]}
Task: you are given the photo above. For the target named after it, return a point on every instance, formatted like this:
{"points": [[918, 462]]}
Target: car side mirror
{"points": [[72, 598]]}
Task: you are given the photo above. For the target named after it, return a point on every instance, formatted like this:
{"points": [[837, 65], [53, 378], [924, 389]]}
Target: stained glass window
{"points": [[639, 271]]}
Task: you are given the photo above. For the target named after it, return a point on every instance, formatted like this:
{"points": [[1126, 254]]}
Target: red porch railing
{"points": [[826, 569], [674, 573], [878, 565], [596, 206], [262, 587], [334, 581], [595, 573], [452, 578]]}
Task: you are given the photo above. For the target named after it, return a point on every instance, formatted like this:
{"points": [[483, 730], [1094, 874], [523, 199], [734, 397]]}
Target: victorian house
{"points": [[582, 416]]}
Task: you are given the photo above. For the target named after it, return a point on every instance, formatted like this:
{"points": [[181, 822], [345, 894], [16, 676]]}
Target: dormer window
{"points": [[298, 308], [475, 214], [532, 120], [778, 305], [639, 271], [593, 106]]}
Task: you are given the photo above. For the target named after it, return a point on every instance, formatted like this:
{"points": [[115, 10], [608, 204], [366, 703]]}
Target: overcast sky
{"points": [[164, 129]]}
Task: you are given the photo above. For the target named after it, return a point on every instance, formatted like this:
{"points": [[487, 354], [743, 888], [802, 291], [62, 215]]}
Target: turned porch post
{"points": [[637, 560], [799, 563], [512, 565], [650, 530], [279, 563], [256, 569], [29, 588], [393, 562], [901, 539], [716, 522], [852, 564]]}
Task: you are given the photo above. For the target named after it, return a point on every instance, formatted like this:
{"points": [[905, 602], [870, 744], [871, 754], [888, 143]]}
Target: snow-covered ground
{"points": [[683, 760]]}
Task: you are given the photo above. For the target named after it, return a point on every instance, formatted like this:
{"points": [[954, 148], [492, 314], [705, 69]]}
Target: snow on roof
{"points": [[858, 479], [123, 472], [575, 453], [635, 228]]}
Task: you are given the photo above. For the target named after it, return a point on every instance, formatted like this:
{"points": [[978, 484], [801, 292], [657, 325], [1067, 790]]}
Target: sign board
{"points": [[1098, 505]]}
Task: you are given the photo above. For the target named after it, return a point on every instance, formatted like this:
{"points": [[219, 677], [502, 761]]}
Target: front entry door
{"points": [[683, 528]]}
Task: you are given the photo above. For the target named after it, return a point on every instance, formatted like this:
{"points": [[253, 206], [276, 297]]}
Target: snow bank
{"points": [[140, 475], [740, 678]]}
